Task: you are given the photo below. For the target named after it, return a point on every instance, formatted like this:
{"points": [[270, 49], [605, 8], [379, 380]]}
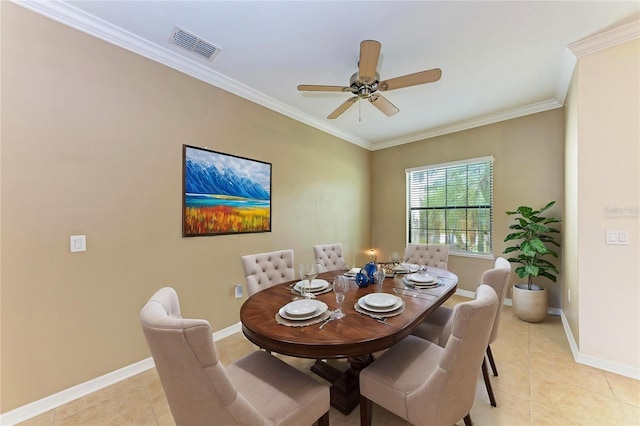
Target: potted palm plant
{"points": [[534, 238]]}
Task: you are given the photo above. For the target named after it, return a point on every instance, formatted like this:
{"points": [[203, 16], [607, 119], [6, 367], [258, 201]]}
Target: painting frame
{"points": [[224, 194]]}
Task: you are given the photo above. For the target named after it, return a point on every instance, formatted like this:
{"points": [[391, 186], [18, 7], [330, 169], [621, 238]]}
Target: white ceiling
{"points": [[498, 59]]}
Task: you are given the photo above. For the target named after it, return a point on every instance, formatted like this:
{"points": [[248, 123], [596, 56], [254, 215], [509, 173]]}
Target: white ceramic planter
{"points": [[529, 305]]}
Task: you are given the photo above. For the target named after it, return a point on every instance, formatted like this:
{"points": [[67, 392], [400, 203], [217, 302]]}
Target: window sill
{"points": [[474, 255]]}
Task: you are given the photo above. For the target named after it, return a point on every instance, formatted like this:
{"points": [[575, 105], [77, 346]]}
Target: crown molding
{"points": [[606, 39], [75, 18], [592, 44], [471, 123], [89, 24]]}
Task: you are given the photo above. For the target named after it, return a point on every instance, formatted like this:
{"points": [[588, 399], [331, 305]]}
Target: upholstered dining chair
{"points": [[258, 389], [436, 328], [426, 384], [329, 257], [264, 270], [436, 255]]}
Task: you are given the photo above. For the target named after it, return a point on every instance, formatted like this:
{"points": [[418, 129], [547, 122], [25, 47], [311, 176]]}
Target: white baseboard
{"points": [[602, 364], [466, 293], [507, 302], [589, 360], [50, 402]]}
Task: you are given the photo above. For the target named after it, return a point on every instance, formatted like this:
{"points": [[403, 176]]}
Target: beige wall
{"points": [[92, 144], [609, 199], [528, 169]]}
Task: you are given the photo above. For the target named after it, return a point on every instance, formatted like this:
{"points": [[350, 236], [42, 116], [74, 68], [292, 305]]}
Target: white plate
{"points": [[299, 308], [425, 286], [301, 286], [422, 278], [413, 284], [366, 307], [411, 267], [319, 309], [315, 284], [380, 300], [352, 272]]}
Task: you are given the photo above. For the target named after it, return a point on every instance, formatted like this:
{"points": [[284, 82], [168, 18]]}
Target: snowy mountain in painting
{"points": [[208, 179]]}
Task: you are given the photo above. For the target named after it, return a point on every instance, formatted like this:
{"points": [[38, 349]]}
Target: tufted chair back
{"points": [[264, 270], [187, 363], [498, 279], [459, 365], [258, 389], [329, 257], [436, 255], [429, 385]]}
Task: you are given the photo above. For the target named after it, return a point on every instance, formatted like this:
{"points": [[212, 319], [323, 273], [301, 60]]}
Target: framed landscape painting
{"points": [[224, 194]]}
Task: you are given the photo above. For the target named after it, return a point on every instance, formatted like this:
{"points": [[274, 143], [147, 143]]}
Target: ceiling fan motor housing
{"points": [[361, 88]]}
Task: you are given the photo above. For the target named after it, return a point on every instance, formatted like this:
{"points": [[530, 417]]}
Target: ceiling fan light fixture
{"points": [[365, 91]]}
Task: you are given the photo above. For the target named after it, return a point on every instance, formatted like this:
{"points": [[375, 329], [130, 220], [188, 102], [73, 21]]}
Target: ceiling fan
{"points": [[365, 83]]}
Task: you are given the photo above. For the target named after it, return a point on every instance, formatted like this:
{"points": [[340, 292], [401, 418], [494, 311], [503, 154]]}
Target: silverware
{"points": [[380, 319], [412, 293], [331, 318]]}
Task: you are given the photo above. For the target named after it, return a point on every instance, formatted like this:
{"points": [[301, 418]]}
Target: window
{"points": [[452, 204]]}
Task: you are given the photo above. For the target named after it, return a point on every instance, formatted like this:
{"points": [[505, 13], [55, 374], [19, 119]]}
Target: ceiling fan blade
{"points": [[383, 104], [414, 79], [318, 88], [342, 108], [369, 55]]}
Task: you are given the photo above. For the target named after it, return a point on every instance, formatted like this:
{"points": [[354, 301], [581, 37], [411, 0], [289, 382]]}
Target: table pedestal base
{"points": [[345, 386]]}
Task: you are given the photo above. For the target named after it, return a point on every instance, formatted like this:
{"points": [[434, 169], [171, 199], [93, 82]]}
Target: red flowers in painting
{"points": [[226, 220]]}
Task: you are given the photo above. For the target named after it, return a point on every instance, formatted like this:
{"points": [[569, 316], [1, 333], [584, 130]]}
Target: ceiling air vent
{"points": [[193, 44]]}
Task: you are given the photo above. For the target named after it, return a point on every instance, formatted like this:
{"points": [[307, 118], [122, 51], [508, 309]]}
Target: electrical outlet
{"points": [[238, 291]]}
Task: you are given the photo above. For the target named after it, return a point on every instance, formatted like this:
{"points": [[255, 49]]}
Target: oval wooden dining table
{"points": [[355, 337]]}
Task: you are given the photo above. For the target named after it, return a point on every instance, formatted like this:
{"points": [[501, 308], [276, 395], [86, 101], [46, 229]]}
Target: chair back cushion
{"points": [[448, 394], [498, 279], [329, 257], [194, 380], [436, 255], [264, 270]]}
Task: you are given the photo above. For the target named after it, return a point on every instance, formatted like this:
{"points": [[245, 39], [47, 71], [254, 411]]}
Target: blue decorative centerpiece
{"points": [[365, 276]]}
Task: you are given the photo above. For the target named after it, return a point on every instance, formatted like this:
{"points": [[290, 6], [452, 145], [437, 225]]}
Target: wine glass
{"points": [[308, 273], [379, 278], [340, 287]]}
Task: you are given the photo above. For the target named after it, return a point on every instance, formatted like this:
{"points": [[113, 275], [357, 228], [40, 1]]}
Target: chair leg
{"points": [[366, 407], [324, 420], [487, 382], [491, 361], [467, 420]]}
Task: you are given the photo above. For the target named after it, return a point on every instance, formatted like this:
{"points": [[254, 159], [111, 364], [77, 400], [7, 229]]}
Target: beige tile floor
{"points": [[539, 384]]}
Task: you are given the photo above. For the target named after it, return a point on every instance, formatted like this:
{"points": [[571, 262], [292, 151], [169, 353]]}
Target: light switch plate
{"points": [[238, 291], [77, 243], [617, 238]]}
